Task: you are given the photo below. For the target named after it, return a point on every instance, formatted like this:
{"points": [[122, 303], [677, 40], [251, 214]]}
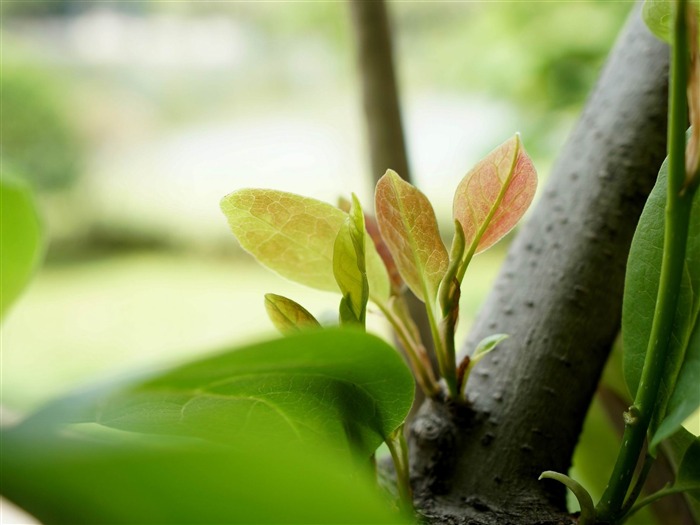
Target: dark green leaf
{"points": [[20, 238], [641, 288], [689, 470], [686, 396], [68, 478], [334, 386]]}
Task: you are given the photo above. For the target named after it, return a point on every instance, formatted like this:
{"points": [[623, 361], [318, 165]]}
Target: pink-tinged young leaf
{"points": [[495, 194], [287, 315], [408, 226]]}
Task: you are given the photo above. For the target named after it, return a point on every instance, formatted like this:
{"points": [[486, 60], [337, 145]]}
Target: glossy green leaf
{"points": [[641, 289], [343, 388], [494, 195], [689, 470], [409, 228], [294, 236], [70, 478], [20, 239], [349, 267], [287, 315]]}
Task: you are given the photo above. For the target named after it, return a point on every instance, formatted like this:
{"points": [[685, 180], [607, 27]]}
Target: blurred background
{"points": [[131, 120]]}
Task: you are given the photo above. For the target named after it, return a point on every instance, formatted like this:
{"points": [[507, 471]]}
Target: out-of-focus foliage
{"points": [[20, 239], [38, 134]]}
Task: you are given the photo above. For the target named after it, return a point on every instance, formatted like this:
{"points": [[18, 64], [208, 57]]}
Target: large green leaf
{"points": [[641, 288], [294, 236], [409, 228], [334, 387], [70, 478], [20, 239]]}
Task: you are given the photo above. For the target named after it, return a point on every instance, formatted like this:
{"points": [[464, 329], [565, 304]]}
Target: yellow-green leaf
{"points": [[20, 240], [495, 194], [287, 315], [408, 225], [294, 236], [349, 267]]}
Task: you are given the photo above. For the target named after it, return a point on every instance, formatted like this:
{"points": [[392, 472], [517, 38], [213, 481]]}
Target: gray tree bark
{"points": [[559, 296]]}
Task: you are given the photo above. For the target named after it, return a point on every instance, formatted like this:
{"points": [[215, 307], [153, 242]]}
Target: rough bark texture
{"points": [[559, 296]]}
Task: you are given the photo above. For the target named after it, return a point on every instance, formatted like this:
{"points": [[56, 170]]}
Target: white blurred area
{"points": [[302, 131]]}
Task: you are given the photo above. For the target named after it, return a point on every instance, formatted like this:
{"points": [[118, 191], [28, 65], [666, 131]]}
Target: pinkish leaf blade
{"points": [[495, 194], [408, 225]]}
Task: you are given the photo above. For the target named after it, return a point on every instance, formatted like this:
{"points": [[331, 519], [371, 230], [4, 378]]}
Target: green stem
{"points": [[639, 483], [675, 236], [417, 358], [399, 454], [668, 491]]}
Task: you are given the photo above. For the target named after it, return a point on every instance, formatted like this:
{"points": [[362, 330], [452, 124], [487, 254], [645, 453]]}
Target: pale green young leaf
{"points": [[639, 304], [450, 285], [288, 233], [20, 239], [341, 388], [294, 236], [494, 195], [409, 227], [349, 267], [67, 477], [287, 315], [486, 345], [657, 15]]}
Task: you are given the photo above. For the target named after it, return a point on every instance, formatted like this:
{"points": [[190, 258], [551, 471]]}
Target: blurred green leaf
{"points": [[641, 289], [657, 15], [341, 388], [349, 267], [71, 478], [20, 239], [287, 315], [408, 225]]}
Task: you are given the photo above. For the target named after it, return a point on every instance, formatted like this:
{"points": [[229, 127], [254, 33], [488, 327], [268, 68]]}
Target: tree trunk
{"points": [[559, 297], [380, 97]]}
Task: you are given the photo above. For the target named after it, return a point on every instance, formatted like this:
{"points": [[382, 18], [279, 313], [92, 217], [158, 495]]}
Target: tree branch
{"points": [[559, 296]]}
